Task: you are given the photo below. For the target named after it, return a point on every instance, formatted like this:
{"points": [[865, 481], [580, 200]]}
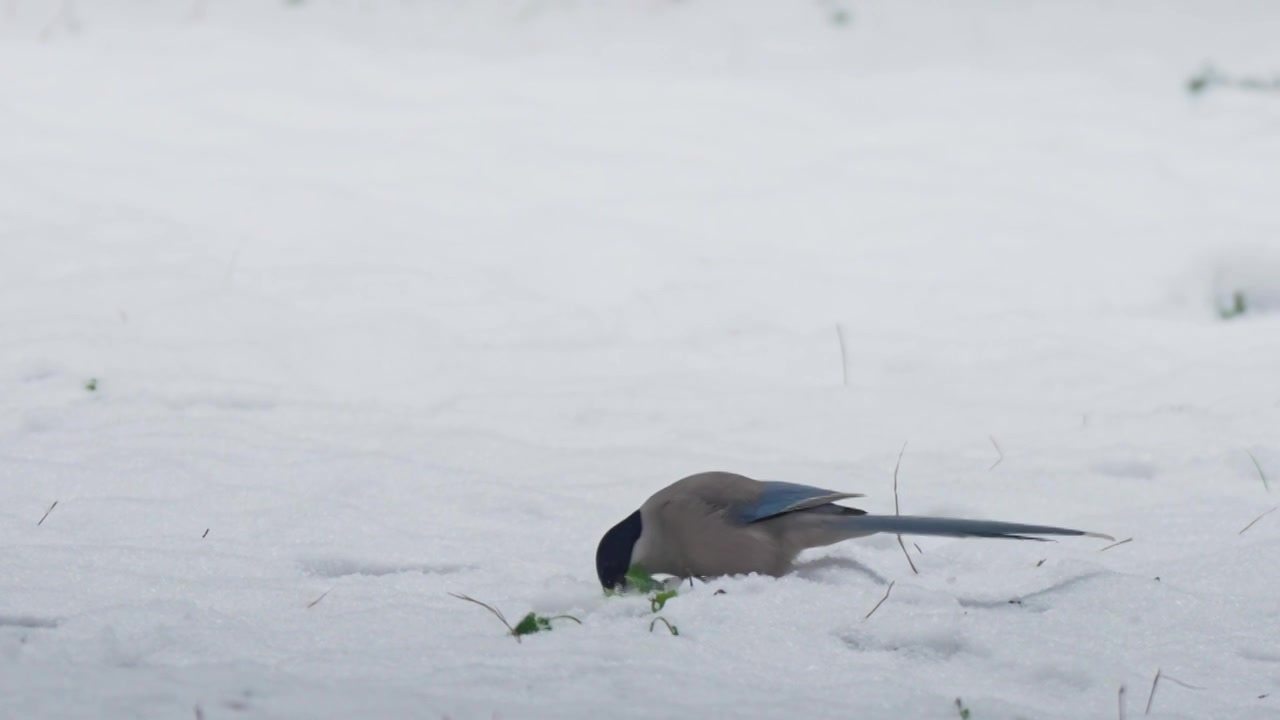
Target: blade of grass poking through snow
{"points": [[896, 511], [999, 452], [1255, 520], [1265, 485], [674, 630]]}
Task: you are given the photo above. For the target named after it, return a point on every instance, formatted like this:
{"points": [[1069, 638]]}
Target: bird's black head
{"points": [[613, 556]]}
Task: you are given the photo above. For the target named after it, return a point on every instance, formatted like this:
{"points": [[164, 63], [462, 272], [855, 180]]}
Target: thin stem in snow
{"points": [[1000, 452], [844, 356], [896, 510], [886, 597], [46, 513], [1266, 485], [1255, 520]]}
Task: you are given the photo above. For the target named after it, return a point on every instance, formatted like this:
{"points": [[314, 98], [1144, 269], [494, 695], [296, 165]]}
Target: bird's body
{"points": [[720, 523], [694, 528]]}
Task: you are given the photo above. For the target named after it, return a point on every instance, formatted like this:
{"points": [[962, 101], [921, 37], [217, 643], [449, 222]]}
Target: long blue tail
{"points": [[954, 527]]}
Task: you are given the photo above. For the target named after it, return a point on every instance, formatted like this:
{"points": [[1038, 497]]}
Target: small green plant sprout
{"points": [[1201, 81], [528, 625], [658, 591], [659, 600], [674, 630], [960, 708], [637, 579], [1236, 308], [534, 622], [1212, 77], [91, 384], [642, 581], [838, 15]]}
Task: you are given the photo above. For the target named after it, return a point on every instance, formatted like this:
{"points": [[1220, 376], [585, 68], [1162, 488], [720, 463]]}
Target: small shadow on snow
{"points": [[342, 567], [1126, 468], [28, 621], [1260, 654], [38, 373], [816, 569], [235, 401], [1030, 600], [932, 642]]}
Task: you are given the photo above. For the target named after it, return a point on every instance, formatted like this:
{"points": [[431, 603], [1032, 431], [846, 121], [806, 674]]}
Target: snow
{"points": [[398, 299]]}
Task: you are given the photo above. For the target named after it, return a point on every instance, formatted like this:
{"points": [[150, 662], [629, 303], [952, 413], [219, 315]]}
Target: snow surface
{"points": [[397, 299]]}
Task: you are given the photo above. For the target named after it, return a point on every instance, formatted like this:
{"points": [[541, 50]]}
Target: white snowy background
{"points": [[402, 298]]}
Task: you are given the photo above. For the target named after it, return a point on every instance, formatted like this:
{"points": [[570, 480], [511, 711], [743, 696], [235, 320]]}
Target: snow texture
{"points": [[314, 312]]}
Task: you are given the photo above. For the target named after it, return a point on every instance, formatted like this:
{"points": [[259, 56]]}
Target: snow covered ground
{"points": [[385, 300]]}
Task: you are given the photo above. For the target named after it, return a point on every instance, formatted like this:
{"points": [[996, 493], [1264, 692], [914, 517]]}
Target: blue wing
{"points": [[784, 497]]}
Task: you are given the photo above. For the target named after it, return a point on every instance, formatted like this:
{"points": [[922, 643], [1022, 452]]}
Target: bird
{"points": [[714, 524]]}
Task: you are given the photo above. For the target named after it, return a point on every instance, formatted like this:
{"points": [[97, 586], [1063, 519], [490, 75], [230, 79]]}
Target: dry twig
{"points": [[886, 597], [1116, 544], [1000, 459], [46, 513], [496, 612], [1156, 683]]}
